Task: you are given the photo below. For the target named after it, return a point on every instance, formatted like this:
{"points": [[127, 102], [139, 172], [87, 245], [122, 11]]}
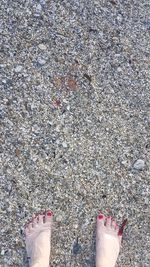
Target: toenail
{"points": [[49, 213], [100, 217]]}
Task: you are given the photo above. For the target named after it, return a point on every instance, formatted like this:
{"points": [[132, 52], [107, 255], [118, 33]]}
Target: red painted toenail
{"points": [[49, 213], [100, 217]]}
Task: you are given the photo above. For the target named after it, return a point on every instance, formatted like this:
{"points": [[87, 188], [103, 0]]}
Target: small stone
{"points": [[71, 84], [139, 164], [38, 8], [18, 69], [4, 81], [41, 61], [17, 152], [57, 128], [68, 107], [119, 69], [120, 18], [42, 46], [56, 103], [2, 252], [75, 226], [64, 144], [146, 201], [58, 218], [57, 142]]}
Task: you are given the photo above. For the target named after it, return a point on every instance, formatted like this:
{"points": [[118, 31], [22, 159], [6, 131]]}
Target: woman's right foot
{"points": [[108, 242]]}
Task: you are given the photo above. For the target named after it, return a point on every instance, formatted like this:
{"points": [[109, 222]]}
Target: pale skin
{"points": [[38, 240]]}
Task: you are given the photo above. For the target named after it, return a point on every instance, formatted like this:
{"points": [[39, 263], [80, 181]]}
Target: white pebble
{"points": [[58, 218], [4, 81], [64, 145], [42, 46], [2, 252], [18, 69], [68, 107], [119, 69]]}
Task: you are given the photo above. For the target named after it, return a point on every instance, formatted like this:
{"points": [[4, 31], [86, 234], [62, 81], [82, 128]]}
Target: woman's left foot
{"points": [[38, 240]]}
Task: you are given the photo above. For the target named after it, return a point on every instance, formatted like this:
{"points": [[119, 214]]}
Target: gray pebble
{"points": [[139, 164], [41, 61], [59, 218], [38, 9]]}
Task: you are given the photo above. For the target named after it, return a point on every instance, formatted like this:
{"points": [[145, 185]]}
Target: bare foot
{"points": [[108, 241], [38, 236]]}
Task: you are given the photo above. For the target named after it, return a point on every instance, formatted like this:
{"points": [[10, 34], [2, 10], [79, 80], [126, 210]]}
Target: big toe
{"points": [[100, 220], [48, 216]]}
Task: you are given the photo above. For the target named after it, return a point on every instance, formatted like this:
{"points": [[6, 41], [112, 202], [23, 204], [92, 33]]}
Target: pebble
{"points": [[119, 69], [59, 218], [4, 81], [120, 18], [64, 144], [38, 8], [2, 252], [41, 61], [139, 164], [75, 226], [18, 69], [42, 46]]}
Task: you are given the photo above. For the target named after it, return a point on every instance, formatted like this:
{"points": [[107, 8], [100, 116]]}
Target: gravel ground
{"points": [[74, 115]]}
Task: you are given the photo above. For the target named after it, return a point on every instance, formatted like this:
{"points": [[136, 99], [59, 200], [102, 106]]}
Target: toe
{"points": [[28, 228], [108, 221], [120, 239], [101, 219], [121, 228], [48, 216], [34, 220], [27, 231], [41, 218], [113, 224], [117, 228]]}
